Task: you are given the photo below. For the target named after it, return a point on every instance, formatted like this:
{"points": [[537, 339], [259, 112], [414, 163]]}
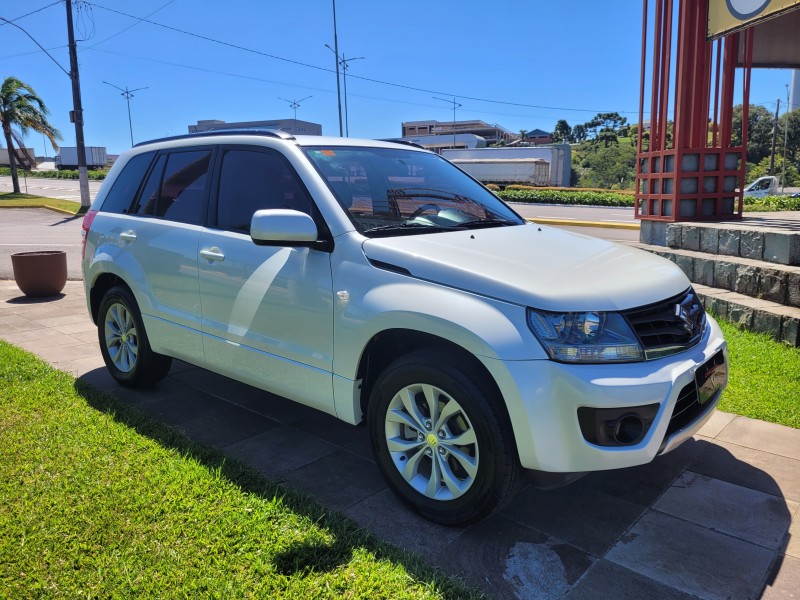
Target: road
{"points": [[65, 189], [29, 229]]}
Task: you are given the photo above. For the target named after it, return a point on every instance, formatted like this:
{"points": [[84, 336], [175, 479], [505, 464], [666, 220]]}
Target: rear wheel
{"points": [[124, 344], [442, 439]]}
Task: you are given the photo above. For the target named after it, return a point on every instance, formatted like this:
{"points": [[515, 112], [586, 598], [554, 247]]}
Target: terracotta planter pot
{"points": [[41, 273]]}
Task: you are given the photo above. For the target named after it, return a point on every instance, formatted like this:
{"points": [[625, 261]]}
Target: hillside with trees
{"points": [[604, 148]]}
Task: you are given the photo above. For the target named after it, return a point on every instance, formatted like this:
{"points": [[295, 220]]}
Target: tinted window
{"points": [[178, 194], [183, 188], [148, 199], [122, 193], [251, 181]]}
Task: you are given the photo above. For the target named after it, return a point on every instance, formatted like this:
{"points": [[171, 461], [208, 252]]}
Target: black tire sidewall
{"points": [[137, 375], [491, 481]]}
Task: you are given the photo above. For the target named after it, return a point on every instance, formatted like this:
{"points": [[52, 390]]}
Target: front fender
{"points": [[485, 327]]}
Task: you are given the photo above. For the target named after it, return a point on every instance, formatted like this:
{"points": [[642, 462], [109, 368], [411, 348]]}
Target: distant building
{"points": [[558, 155], [293, 126], [491, 133], [437, 143], [537, 137]]}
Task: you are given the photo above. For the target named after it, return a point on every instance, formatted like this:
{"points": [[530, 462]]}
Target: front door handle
{"points": [[214, 254], [128, 236]]}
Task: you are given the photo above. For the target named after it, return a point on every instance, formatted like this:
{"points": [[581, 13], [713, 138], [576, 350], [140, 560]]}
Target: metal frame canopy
{"points": [[688, 168], [729, 16]]}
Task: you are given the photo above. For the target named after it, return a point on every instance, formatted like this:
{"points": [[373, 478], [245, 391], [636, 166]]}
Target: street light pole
{"points": [[294, 105], [127, 94], [455, 106], [345, 66], [336, 52], [345, 63]]}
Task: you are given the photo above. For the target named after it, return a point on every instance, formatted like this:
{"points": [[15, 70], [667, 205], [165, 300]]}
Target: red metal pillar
{"points": [[694, 176]]}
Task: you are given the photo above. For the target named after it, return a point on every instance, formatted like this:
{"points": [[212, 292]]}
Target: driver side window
{"points": [[252, 180]]}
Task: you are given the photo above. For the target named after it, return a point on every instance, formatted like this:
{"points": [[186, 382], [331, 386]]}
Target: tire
{"points": [[124, 344], [453, 472]]}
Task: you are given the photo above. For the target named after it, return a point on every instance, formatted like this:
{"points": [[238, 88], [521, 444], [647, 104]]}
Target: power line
{"points": [[120, 32], [361, 77], [37, 43], [33, 12], [393, 100]]}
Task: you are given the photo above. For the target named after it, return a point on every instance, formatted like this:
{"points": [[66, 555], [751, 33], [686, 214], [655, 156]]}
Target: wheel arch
{"points": [[101, 285], [388, 345]]}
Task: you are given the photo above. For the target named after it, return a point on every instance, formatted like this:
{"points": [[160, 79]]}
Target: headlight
{"points": [[585, 337]]}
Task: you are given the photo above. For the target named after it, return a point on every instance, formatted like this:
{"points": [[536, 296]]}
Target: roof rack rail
{"points": [[262, 131], [402, 141]]}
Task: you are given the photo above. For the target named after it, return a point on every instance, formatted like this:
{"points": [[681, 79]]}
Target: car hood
{"points": [[533, 265]]}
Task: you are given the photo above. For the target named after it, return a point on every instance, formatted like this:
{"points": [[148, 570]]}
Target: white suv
{"points": [[376, 281]]}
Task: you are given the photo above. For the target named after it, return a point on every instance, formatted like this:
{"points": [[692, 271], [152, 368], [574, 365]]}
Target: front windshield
{"points": [[394, 191]]}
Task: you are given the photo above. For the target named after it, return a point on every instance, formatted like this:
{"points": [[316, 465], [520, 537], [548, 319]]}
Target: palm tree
{"points": [[20, 110]]}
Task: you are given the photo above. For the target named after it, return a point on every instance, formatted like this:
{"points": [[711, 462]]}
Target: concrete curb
{"points": [[63, 211], [571, 223]]}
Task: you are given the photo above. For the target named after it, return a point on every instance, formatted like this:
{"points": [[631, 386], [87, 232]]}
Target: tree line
{"points": [[604, 147]]}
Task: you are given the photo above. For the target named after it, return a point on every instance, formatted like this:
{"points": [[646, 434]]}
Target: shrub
{"points": [[96, 175], [562, 196], [771, 203]]}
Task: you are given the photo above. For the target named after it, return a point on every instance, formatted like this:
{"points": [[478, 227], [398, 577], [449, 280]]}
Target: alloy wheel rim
{"points": [[122, 340], [431, 442]]}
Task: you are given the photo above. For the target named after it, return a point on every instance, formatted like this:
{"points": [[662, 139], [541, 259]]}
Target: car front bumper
{"points": [[544, 397]]}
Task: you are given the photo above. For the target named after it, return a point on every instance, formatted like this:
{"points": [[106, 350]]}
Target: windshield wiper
{"points": [[478, 223], [406, 227]]}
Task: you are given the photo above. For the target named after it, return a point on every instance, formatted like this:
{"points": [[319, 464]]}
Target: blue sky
{"points": [[567, 59]]}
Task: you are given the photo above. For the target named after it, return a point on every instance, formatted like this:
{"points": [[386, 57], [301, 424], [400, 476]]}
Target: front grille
{"points": [[687, 409], [669, 326]]}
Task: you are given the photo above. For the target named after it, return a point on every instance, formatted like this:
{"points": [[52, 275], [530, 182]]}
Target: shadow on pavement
{"points": [[697, 522]]}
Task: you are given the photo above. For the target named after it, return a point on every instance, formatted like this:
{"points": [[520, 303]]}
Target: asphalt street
{"points": [[64, 189]]}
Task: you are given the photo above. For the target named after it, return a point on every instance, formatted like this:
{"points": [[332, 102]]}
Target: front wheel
{"points": [[124, 344], [442, 439]]}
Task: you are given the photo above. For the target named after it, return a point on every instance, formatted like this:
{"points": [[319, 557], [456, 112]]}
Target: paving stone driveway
{"points": [[716, 518]]}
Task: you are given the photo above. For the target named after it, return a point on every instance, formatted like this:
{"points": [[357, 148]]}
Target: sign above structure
{"points": [[729, 16]]}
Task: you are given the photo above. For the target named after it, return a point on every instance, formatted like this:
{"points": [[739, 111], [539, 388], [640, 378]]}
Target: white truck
{"points": [[761, 187], [67, 158], [505, 171]]}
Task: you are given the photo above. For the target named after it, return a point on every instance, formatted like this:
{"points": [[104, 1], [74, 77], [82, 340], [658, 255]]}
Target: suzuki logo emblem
{"points": [[686, 321]]}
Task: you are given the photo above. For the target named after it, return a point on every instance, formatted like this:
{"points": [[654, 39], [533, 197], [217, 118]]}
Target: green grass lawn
{"points": [[11, 200], [98, 500], [764, 378]]}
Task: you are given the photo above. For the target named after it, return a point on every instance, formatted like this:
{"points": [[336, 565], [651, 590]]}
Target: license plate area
{"points": [[711, 377]]}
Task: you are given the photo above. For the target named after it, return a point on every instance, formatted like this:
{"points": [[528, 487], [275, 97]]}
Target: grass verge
{"points": [[12, 200], [99, 500], [764, 378]]}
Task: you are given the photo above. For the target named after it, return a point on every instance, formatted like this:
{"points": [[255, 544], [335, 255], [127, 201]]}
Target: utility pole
{"points": [[127, 94], [336, 52], [455, 106], [77, 112], [774, 139]]}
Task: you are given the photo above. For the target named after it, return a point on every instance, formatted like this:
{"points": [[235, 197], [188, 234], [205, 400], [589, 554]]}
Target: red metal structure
{"points": [[688, 170]]}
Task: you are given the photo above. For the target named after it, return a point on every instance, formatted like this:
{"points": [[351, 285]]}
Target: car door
{"points": [[267, 310], [160, 238]]}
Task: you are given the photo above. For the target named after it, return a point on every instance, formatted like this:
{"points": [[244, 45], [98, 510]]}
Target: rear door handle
{"points": [[214, 254], [129, 235]]}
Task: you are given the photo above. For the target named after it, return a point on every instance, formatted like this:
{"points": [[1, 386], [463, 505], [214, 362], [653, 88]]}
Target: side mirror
{"points": [[283, 227]]}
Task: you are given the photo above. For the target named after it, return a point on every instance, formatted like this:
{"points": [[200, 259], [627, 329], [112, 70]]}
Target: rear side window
{"points": [[123, 191], [256, 180], [176, 188]]}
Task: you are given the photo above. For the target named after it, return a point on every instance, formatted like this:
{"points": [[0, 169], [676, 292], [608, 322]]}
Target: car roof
{"points": [[227, 135]]}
